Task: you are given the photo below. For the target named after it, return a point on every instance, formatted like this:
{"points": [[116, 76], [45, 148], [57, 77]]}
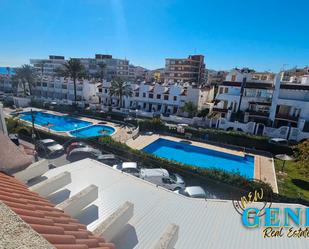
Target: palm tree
{"points": [[120, 89], [189, 108], [74, 69], [102, 71], [26, 75]]}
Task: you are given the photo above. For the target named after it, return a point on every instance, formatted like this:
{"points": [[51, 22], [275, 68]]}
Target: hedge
{"points": [[108, 145], [234, 138]]}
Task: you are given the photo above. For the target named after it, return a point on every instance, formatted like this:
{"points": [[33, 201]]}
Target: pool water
{"points": [[201, 157], [94, 131], [55, 122]]}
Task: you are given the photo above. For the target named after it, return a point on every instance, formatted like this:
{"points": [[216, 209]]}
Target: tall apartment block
{"points": [[191, 69], [114, 67]]}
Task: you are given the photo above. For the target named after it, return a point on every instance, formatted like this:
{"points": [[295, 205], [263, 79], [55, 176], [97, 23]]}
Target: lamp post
{"points": [[32, 121]]}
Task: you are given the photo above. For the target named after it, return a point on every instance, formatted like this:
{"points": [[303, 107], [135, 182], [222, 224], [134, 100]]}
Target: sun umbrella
{"points": [[284, 158]]}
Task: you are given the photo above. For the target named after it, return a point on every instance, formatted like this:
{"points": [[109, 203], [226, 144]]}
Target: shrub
{"points": [[222, 176], [154, 124]]}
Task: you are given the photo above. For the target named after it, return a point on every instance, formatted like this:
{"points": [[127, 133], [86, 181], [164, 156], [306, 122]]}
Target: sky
{"points": [[260, 34]]}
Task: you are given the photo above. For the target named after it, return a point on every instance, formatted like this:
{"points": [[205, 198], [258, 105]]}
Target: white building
{"points": [[48, 66], [114, 67], [6, 74], [269, 101], [61, 90], [159, 98]]}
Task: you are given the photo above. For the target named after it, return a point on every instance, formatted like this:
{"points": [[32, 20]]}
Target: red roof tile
{"points": [[61, 230]]}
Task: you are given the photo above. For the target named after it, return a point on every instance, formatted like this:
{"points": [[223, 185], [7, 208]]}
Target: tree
{"points": [[189, 108], [26, 75], [74, 69], [120, 89], [101, 71]]}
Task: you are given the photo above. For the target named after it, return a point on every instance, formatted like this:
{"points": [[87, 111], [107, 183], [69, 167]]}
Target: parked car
{"points": [[161, 177], [109, 159], [48, 147], [192, 191], [82, 153], [75, 145], [279, 141], [128, 167]]}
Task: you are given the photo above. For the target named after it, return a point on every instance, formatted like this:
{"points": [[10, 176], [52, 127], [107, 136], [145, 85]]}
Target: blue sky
{"points": [[260, 34]]}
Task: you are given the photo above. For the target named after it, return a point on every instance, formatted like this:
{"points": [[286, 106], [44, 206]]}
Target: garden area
{"points": [[294, 180], [293, 184]]}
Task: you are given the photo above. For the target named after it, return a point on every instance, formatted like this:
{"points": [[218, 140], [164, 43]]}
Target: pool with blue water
{"points": [[76, 127], [201, 157], [93, 131]]}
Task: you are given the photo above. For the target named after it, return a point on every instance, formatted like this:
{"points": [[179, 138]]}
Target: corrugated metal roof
{"points": [[202, 223]]}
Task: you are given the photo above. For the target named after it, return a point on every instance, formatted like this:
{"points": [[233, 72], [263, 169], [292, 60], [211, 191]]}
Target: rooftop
{"points": [[57, 227], [155, 208]]}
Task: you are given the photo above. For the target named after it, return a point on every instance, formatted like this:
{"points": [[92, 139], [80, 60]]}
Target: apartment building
{"points": [[6, 74], [191, 69], [295, 75], [157, 75], [48, 66], [264, 98], [61, 90], [137, 73], [114, 67], [159, 98], [213, 77]]}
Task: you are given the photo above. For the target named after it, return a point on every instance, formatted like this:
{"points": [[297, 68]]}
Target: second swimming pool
{"points": [[202, 157]]}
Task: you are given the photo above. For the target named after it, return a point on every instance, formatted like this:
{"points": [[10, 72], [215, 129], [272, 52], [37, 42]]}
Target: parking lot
{"points": [[212, 189]]}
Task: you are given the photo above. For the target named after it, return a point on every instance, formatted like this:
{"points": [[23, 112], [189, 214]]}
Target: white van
{"points": [[162, 178]]}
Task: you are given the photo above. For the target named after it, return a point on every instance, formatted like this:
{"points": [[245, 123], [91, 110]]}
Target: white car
{"points": [[128, 167], [49, 147], [162, 178], [193, 191]]}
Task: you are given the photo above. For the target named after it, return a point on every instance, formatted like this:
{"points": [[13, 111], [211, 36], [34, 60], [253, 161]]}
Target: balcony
{"points": [[286, 117], [222, 110], [258, 114]]}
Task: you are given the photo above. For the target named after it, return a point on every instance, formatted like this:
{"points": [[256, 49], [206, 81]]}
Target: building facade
{"points": [[48, 66], [191, 69], [61, 90], [6, 74], [270, 100], [158, 98], [113, 67]]}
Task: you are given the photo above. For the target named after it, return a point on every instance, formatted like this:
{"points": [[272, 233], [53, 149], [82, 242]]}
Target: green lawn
{"points": [[295, 183]]}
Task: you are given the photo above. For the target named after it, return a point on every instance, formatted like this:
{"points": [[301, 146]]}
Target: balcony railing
{"points": [[258, 114], [216, 109], [286, 117]]}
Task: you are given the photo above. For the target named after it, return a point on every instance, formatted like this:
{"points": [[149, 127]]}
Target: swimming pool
{"points": [[201, 157], [55, 122], [93, 131]]}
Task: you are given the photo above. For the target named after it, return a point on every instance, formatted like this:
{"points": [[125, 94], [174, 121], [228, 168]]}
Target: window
{"points": [[233, 78], [167, 181], [175, 98], [144, 95], [165, 97], [158, 96], [105, 90], [136, 94], [226, 90], [221, 89], [151, 95]]}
